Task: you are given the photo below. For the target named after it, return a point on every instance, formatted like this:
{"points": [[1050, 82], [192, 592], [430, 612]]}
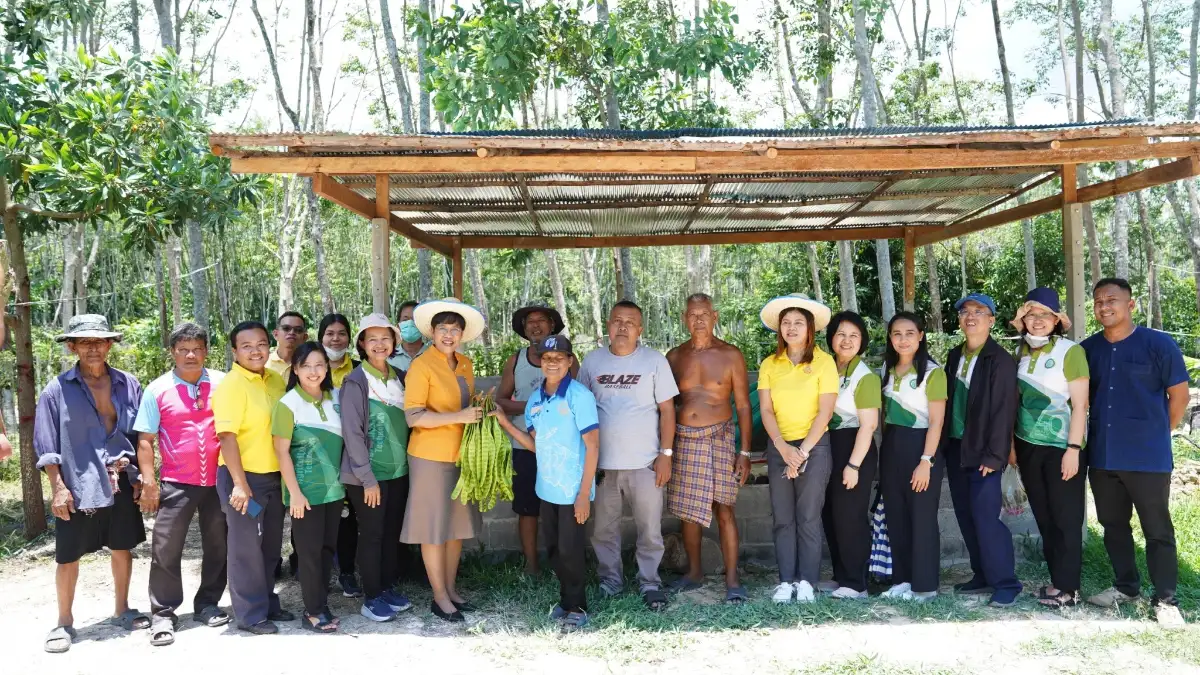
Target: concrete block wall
{"points": [[753, 514]]}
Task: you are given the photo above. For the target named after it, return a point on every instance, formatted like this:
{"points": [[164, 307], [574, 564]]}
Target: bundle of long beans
{"points": [[485, 458]]}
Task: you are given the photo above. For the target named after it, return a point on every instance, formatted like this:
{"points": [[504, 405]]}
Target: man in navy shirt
{"points": [[1139, 391]]}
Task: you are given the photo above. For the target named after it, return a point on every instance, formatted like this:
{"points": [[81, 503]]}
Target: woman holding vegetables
{"points": [[375, 463], [437, 404]]}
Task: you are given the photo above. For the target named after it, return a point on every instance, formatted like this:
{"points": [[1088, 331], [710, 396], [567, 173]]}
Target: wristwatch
{"points": [[744, 453], [666, 452], [927, 458]]}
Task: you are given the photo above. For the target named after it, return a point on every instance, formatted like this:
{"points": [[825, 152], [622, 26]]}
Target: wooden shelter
{"points": [[603, 188]]}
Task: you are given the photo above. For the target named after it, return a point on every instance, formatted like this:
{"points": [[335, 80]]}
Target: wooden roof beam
{"points": [[692, 239], [533, 217], [701, 201], [337, 193]]}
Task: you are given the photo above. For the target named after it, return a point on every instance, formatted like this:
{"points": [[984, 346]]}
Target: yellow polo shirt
{"points": [[279, 366], [339, 373], [795, 390], [430, 384], [242, 404]]}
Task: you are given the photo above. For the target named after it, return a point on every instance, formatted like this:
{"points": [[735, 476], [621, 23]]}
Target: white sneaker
{"points": [[919, 597], [804, 592], [827, 586], [1168, 616], [783, 593], [847, 593], [897, 592]]}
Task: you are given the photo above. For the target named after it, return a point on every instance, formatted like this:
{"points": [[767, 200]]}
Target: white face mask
{"points": [[335, 354], [1036, 341]]}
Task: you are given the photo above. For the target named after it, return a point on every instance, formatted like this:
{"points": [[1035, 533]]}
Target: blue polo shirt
{"points": [[1129, 428], [560, 419]]}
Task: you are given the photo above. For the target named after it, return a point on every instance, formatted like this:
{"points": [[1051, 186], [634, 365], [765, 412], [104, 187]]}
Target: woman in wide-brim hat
{"points": [[439, 385], [1052, 377], [797, 390]]}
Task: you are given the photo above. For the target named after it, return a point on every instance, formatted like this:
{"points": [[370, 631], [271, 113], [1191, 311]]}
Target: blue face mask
{"points": [[409, 331]]}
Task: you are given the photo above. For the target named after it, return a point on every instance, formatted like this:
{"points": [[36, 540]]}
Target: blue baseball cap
{"points": [[981, 298]]}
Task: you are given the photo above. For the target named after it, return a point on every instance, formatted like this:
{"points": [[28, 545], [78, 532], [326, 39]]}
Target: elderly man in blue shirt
{"points": [[1139, 392], [84, 438]]}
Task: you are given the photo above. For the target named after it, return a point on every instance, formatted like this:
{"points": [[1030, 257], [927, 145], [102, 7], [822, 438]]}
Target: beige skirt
{"points": [[432, 517]]}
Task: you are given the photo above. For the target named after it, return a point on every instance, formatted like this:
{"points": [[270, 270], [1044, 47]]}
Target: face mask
{"points": [[1036, 341], [409, 331], [335, 354]]}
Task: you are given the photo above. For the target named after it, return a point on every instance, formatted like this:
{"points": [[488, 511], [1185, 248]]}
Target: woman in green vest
{"points": [[1052, 376], [910, 473], [852, 441], [307, 434]]}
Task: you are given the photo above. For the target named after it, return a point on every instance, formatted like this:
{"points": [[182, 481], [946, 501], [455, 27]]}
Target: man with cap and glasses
{"points": [[175, 411], [84, 438], [521, 377]]}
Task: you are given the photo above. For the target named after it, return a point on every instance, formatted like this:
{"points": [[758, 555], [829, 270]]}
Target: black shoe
{"points": [[282, 616], [975, 586], [261, 628], [453, 617], [465, 606]]}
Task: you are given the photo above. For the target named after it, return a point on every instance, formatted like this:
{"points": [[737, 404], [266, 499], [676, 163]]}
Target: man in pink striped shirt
{"points": [[175, 410]]}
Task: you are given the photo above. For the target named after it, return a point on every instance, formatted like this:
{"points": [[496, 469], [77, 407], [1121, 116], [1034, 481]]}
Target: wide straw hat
{"points": [[376, 320], [424, 313], [84, 326], [770, 311], [1044, 299]]}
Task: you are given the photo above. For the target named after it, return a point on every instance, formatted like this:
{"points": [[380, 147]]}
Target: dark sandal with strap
{"points": [[1059, 600], [736, 595], [684, 584], [131, 619], [655, 600], [59, 640], [211, 616], [325, 623]]}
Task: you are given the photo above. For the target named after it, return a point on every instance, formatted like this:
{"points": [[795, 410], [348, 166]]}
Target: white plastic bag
{"points": [[1013, 491]]}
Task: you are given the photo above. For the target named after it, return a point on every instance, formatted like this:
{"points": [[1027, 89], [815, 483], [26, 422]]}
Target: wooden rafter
{"points": [[692, 239], [533, 217], [337, 193], [1009, 196], [701, 201]]}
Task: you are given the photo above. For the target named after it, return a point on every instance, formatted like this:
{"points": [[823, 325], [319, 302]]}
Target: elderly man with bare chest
{"points": [[708, 469]]}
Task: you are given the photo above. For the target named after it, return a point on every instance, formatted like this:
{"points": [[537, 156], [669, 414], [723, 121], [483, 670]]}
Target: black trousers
{"points": [[978, 501], [846, 516], [255, 544], [1058, 507], [565, 543], [912, 517], [315, 536], [379, 534], [178, 502], [347, 540], [1117, 494]]}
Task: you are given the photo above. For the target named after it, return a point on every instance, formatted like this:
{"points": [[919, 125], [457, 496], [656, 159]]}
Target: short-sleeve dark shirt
{"points": [[1129, 427], [68, 431]]}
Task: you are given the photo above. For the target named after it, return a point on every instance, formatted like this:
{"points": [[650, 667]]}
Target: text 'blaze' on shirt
{"points": [[1129, 427], [628, 390]]}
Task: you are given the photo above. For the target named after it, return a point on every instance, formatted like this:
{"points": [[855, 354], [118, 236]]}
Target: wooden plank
{"points": [[380, 262], [1070, 183], [456, 269], [1029, 210], [910, 270], [700, 203], [419, 164], [1072, 220], [533, 217], [337, 193], [1140, 180], [383, 190], [694, 239]]}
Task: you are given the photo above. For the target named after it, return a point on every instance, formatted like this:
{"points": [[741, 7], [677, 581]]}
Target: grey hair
{"points": [[699, 297], [187, 331]]}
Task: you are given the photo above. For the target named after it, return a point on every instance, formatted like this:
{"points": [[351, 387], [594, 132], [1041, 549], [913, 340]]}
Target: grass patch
{"points": [[1174, 645], [870, 664]]}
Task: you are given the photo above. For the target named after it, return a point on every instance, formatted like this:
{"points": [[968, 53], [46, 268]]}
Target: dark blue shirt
{"points": [[1129, 427], [68, 431]]}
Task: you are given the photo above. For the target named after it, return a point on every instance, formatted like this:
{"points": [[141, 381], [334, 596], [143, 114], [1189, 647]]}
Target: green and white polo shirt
{"points": [[387, 430], [315, 431], [858, 389], [908, 402], [1043, 377], [962, 386]]}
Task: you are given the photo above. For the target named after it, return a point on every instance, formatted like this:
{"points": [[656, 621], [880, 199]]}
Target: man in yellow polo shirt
{"points": [[248, 481]]}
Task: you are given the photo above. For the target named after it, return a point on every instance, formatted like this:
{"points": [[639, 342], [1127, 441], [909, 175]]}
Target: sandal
{"points": [[655, 600], [131, 619], [736, 595], [59, 640], [162, 634], [325, 623], [211, 616], [683, 585], [1059, 600]]}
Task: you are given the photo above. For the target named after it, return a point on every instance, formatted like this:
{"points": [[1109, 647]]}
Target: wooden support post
{"points": [[381, 255], [910, 269], [456, 273], [1072, 224]]}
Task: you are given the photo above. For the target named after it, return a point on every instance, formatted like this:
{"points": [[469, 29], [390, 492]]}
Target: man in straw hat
{"points": [[706, 468], [522, 376], [635, 393], [84, 438]]}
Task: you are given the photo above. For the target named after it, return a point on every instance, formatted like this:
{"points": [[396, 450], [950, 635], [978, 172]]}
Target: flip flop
{"points": [[131, 619], [59, 640], [211, 616], [655, 600], [736, 595], [683, 585]]}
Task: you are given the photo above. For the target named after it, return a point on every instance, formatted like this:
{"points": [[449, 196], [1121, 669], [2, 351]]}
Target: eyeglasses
{"points": [[312, 367], [292, 329], [451, 331], [1039, 316], [977, 313]]}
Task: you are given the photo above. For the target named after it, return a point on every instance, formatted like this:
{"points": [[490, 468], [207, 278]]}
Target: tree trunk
{"points": [[781, 91], [318, 242], [618, 275], [293, 117], [1062, 56], [815, 270], [1089, 227], [315, 53], [383, 94], [72, 243], [556, 288], [389, 39], [866, 72], [166, 26], [1112, 61], [424, 274], [135, 26], [164, 324], [1155, 308], [887, 294], [935, 290], [612, 110], [825, 77], [174, 253], [1008, 90], [962, 263], [593, 290], [628, 282], [1077, 20], [847, 287], [422, 68], [198, 274], [223, 295], [31, 479], [475, 275]]}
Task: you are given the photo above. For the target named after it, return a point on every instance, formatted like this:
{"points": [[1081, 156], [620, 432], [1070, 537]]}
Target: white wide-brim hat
{"points": [[376, 320], [424, 313], [770, 311]]}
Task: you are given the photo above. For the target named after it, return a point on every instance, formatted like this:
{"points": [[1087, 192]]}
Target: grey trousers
{"points": [[646, 500], [177, 504], [796, 513], [254, 546]]}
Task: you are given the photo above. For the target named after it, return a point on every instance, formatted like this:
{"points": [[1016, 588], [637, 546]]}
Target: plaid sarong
{"points": [[702, 471]]}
